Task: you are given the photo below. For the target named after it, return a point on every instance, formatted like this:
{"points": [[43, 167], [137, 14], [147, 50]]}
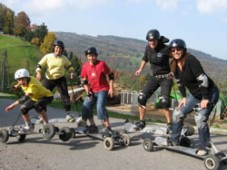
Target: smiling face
{"points": [[92, 58], [58, 50], [177, 53], [153, 43]]}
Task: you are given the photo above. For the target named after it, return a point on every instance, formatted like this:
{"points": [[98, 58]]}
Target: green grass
{"points": [[20, 54]]}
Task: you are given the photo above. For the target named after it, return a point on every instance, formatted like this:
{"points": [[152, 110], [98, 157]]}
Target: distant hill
{"points": [[126, 53]]}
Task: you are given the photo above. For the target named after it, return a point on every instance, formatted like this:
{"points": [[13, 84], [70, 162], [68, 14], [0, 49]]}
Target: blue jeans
{"points": [[99, 99], [201, 118]]}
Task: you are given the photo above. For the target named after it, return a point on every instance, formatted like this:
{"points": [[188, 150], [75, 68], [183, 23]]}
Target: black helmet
{"points": [[177, 43], [91, 50], [59, 43], [153, 34]]}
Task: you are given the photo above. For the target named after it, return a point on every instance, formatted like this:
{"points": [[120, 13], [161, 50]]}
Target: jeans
{"points": [[201, 118], [99, 99]]}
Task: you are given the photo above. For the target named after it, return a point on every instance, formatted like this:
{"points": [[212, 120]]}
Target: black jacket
{"points": [[188, 77], [158, 58]]}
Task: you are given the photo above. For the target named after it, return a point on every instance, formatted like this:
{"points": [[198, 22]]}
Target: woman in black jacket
{"points": [[204, 93]]}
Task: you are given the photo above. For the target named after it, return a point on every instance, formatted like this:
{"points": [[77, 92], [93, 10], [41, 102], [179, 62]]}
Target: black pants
{"points": [[154, 83], [61, 85]]}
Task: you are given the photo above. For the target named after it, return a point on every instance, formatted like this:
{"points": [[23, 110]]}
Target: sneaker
{"points": [[169, 128], [40, 121], [108, 132], [80, 122], [140, 124], [70, 118], [28, 128], [92, 129], [201, 152]]}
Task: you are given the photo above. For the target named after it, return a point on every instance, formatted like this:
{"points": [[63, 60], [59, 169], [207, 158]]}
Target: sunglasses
{"points": [[176, 49]]}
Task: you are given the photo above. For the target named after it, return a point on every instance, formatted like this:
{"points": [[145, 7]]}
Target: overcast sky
{"points": [[201, 23]]}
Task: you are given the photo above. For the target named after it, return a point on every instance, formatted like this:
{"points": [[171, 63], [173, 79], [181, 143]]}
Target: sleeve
{"points": [[68, 65], [201, 77], [83, 73], [145, 57], [42, 63], [106, 68]]}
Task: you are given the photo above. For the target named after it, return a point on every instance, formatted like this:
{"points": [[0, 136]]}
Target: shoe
{"points": [[169, 128], [70, 118], [92, 129], [201, 152], [40, 121], [140, 124], [28, 128], [80, 122], [108, 132]]}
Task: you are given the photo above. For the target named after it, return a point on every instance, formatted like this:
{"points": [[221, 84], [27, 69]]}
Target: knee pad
{"points": [[200, 120], [24, 110], [178, 116], [142, 99], [164, 101]]}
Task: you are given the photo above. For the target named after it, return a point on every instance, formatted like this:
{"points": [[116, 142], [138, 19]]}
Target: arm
{"points": [[142, 65], [111, 84], [10, 107]]}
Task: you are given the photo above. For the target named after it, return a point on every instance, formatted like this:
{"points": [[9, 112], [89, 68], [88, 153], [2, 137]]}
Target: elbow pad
{"points": [[203, 80], [38, 67], [23, 99], [83, 82], [111, 76]]}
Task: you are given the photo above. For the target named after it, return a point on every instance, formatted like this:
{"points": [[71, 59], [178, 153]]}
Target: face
{"points": [[22, 81], [153, 43], [58, 50], [177, 52], [92, 58]]}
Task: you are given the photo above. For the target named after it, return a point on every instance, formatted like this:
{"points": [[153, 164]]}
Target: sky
{"points": [[202, 24]]}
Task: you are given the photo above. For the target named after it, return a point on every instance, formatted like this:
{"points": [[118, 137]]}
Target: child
{"points": [[94, 75], [36, 96]]}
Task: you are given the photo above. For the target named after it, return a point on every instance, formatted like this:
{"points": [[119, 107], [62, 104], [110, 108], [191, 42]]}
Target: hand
{"points": [[90, 95], [72, 76], [111, 92], [204, 103], [9, 108], [182, 102], [137, 73]]}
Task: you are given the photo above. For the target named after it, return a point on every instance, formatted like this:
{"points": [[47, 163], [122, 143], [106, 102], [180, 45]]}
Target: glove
{"points": [[90, 95]]}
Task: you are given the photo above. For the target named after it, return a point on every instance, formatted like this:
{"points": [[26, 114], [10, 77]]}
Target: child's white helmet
{"points": [[21, 73]]}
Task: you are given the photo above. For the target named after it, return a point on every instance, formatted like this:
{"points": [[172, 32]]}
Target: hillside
{"points": [[16, 53], [126, 53]]}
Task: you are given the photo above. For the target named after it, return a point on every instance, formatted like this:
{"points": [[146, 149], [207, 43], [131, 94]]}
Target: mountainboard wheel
{"points": [[148, 145], [212, 162], [65, 134], [21, 137], [48, 131], [4, 135], [108, 143], [126, 139]]}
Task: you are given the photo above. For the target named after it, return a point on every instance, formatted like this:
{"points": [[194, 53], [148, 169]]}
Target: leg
{"points": [[148, 90], [178, 118], [166, 86], [87, 109], [63, 90], [41, 107], [101, 107]]}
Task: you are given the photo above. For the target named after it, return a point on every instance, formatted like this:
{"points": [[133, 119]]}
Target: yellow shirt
{"points": [[55, 65], [36, 89]]}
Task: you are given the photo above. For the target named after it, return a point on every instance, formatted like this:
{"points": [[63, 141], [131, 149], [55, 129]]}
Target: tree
{"points": [[46, 46], [40, 32], [21, 24], [8, 24]]}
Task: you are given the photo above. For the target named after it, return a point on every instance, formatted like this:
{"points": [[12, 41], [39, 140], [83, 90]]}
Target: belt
{"points": [[161, 75]]}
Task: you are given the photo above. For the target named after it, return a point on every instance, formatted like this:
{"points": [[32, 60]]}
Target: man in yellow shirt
{"points": [[36, 96], [56, 65]]}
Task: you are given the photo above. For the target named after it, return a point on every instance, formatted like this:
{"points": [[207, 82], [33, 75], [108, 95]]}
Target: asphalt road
{"points": [[84, 153]]}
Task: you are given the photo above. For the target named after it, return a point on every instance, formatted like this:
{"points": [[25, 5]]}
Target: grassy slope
{"points": [[20, 53]]}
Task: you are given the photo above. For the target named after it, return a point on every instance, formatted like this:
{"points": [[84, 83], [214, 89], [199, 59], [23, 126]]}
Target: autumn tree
{"points": [[21, 24], [46, 46]]}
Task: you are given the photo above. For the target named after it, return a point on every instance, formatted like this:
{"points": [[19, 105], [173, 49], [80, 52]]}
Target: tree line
{"points": [[20, 25]]}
